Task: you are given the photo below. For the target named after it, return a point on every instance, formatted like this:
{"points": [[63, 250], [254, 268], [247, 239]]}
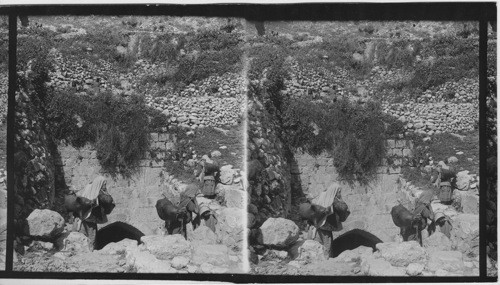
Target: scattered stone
{"points": [[227, 174], [203, 234], [146, 262], [235, 198], [45, 223], [215, 254], [414, 269], [445, 260], [380, 267], [73, 242], [437, 241], [229, 229], [402, 254], [279, 232], [167, 247], [180, 262], [311, 251], [119, 247]]}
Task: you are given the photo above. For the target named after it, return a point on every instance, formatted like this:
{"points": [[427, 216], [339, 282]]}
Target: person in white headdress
{"points": [[336, 212], [97, 214]]}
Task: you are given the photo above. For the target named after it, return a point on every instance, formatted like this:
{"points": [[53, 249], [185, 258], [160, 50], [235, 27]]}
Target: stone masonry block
{"points": [[400, 143], [169, 145], [391, 143], [154, 137], [409, 143], [397, 152], [395, 170], [163, 137], [407, 152], [397, 161]]}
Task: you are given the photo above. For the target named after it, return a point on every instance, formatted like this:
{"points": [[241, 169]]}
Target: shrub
{"points": [[118, 128], [165, 48], [215, 40], [353, 134], [269, 61]]}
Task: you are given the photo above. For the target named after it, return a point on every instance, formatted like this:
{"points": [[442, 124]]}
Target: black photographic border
{"points": [[483, 12]]}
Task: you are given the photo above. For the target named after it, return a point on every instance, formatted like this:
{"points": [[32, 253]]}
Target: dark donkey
{"points": [[176, 217], [412, 224]]}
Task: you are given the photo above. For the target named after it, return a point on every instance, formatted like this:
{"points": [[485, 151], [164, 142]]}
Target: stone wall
{"points": [[135, 197], [270, 191], [370, 205]]}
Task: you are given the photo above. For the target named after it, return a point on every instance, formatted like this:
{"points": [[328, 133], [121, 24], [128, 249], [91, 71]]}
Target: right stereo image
{"points": [[363, 148]]}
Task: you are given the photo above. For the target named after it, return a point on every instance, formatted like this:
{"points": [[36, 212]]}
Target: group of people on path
{"points": [[177, 215], [423, 217], [326, 212], [91, 205]]}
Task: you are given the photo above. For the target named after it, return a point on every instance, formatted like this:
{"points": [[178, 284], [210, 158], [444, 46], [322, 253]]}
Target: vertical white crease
{"points": [[244, 75]]}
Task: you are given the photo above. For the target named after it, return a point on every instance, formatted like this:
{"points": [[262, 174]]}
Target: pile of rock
{"points": [[199, 112], [203, 252], [439, 256], [228, 85], [268, 170], [435, 118], [82, 75], [35, 170], [313, 82], [466, 90], [451, 107]]}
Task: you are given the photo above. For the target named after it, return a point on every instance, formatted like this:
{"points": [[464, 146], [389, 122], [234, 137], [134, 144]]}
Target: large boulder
{"points": [[380, 267], [470, 204], [167, 247], [235, 198], [203, 234], [415, 269], [73, 242], [437, 241], [279, 232], [360, 252], [463, 180], [119, 247], [465, 233], [215, 254], [146, 262], [45, 224], [445, 260], [227, 174], [311, 251], [230, 228], [402, 254]]}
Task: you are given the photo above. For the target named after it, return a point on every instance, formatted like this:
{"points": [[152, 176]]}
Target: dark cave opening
{"points": [[351, 240], [116, 232]]}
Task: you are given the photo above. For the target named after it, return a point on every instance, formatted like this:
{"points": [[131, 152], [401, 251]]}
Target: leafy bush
{"points": [[165, 48], [353, 134], [269, 62], [118, 128]]}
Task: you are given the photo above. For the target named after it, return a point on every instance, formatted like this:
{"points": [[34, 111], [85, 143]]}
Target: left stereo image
{"points": [[128, 145]]}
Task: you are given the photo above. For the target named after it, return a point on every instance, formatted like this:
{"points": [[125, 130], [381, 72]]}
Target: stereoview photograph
{"points": [[129, 145], [364, 148]]}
